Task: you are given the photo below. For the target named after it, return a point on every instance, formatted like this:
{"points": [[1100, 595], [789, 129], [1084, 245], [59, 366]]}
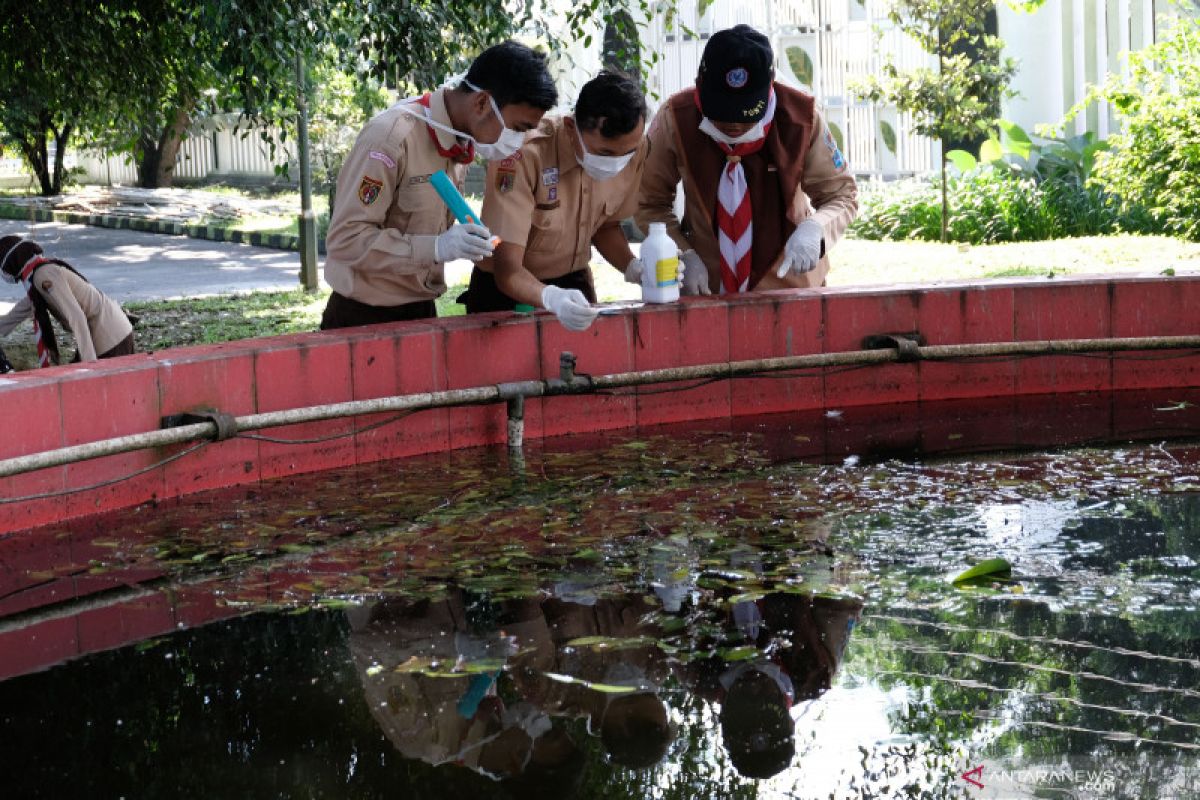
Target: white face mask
{"points": [[509, 142], [506, 144], [753, 135], [601, 168]]}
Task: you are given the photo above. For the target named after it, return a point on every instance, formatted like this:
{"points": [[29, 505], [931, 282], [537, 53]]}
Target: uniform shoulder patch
{"points": [[368, 190], [835, 154], [384, 157]]}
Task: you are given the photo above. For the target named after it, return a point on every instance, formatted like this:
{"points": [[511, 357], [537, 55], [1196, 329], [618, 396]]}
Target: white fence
{"points": [[213, 149]]}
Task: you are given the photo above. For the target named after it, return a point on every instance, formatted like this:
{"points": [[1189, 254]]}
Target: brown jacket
{"points": [[827, 191], [95, 319], [387, 217]]}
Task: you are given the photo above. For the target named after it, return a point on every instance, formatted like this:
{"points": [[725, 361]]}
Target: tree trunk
{"points": [[945, 201], [159, 149]]}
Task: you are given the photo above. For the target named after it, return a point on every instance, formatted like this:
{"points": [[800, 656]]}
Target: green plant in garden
{"points": [[1153, 167], [960, 97]]}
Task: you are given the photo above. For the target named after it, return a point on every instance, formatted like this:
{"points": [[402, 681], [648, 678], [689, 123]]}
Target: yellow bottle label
{"points": [[666, 271]]}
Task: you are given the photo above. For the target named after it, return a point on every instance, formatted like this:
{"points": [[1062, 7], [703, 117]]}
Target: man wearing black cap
{"points": [[766, 190]]}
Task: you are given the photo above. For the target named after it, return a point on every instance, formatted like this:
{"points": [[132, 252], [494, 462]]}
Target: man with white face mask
{"points": [[567, 190], [391, 234], [767, 191]]}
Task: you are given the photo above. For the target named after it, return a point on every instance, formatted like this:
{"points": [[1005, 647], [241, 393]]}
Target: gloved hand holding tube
{"points": [[459, 241]]}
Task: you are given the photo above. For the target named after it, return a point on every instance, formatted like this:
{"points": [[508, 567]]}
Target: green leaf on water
{"points": [[599, 687], [989, 568], [738, 653]]}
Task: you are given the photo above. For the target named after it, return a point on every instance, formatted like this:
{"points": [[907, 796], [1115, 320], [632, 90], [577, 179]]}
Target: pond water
{"points": [[763, 610]]}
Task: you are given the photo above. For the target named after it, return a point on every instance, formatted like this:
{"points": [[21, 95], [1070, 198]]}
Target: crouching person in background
{"points": [[53, 289]]}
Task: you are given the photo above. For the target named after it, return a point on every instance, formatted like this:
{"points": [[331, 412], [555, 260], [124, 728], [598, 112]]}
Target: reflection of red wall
{"points": [[75, 404], [43, 644]]}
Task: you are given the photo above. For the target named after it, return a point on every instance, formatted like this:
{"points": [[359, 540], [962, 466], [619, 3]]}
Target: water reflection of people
{"points": [[429, 670], [627, 713], [798, 642]]}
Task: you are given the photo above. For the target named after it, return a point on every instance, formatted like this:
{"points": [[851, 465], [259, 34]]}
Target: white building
{"points": [[1062, 48]]}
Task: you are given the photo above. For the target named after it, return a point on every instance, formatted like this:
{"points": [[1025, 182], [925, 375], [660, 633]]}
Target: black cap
{"points": [[735, 75]]}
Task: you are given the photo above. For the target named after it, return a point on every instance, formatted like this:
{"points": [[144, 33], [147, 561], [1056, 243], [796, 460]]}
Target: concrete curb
{"points": [[278, 241]]}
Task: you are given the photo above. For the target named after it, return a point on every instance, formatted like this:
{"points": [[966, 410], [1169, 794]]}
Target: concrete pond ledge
{"points": [[77, 404]]}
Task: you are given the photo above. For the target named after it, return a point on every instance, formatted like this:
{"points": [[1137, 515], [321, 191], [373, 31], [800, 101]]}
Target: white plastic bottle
{"points": [[660, 261]]}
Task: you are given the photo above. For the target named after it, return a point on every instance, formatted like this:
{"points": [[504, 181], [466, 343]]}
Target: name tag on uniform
{"points": [[550, 176], [415, 179]]}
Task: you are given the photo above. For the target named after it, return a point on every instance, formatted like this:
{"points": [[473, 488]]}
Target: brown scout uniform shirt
{"points": [[541, 198], [827, 193], [95, 319], [387, 217]]}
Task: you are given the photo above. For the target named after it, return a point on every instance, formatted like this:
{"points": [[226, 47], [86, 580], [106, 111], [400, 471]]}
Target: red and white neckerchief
{"points": [[26, 276], [463, 154], [735, 229]]}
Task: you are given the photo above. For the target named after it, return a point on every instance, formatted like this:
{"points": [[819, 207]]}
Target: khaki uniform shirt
{"points": [[827, 193], [542, 199], [380, 244], [96, 320]]}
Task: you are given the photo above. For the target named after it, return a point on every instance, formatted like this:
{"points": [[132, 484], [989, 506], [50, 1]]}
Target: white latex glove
{"points": [[695, 274], [633, 272], [463, 241], [803, 248], [570, 306]]}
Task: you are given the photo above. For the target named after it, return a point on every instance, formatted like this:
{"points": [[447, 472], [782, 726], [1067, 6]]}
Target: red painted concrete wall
{"points": [[76, 404]]}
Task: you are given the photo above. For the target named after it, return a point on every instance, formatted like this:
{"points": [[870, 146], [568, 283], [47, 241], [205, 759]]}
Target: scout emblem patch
{"points": [[368, 190], [550, 176], [839, 161], [505, 181]]}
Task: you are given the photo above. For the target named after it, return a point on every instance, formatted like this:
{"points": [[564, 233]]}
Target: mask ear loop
{"points": [[8, 255]]}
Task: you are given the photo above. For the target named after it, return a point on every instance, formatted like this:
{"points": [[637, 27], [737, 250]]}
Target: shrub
{"points": [[1154, 164], [988, 206]]}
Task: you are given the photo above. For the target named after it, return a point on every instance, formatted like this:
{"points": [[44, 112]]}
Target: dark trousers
{"points": [[484, 295], [121, 348], [342, 312]]}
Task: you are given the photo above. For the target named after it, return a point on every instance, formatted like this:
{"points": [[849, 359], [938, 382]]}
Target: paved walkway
{"points": [[129, 265]]}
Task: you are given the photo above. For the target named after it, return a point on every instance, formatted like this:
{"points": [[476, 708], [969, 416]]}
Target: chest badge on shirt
{"points": [[368, 190], [505, 180], [550, 176]]}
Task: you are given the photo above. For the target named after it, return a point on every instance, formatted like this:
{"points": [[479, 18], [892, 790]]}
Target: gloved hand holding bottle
{"points": [[633, 272], [463, 241], [570, 306]]}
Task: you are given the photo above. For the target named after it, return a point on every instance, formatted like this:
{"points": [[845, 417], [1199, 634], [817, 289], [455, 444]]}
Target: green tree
{"points": [[959, 98], [44, 96]]}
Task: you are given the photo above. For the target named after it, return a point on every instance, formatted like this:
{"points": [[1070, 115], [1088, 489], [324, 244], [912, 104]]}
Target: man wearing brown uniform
{"points": [[766, 190], [565, 191], [391, 234]]}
